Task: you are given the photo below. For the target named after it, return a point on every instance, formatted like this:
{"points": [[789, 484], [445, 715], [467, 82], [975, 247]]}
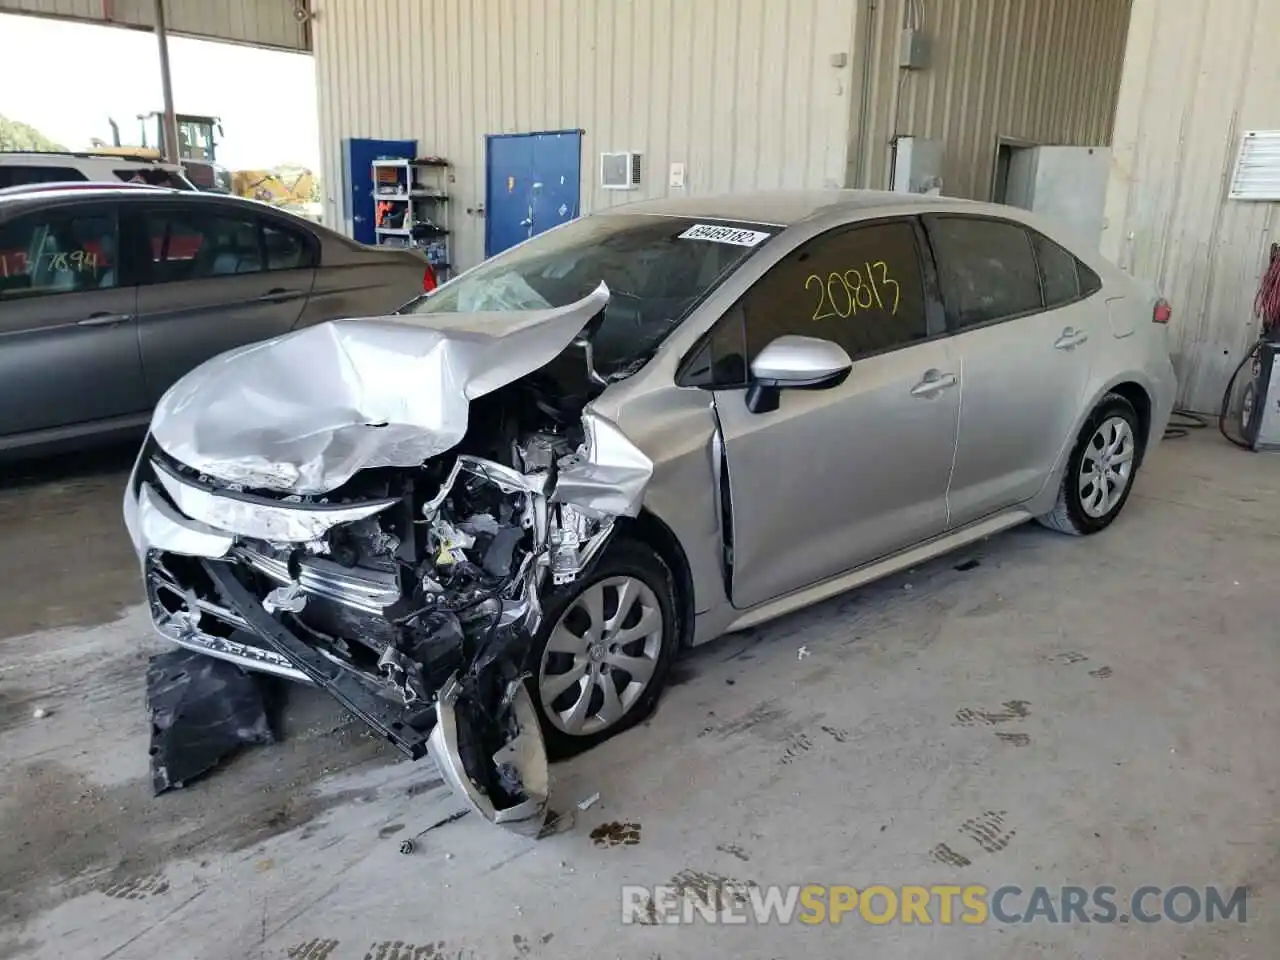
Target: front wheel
{"points": [[605, 648], [1100, 471]]}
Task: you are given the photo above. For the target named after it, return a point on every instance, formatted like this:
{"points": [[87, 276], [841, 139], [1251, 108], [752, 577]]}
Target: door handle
{"points": [[1070, 339], [279, 296], [934, 382], [104, 319]]}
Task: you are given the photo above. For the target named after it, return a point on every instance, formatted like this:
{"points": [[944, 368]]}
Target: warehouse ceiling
{"points": [[274, 24]]}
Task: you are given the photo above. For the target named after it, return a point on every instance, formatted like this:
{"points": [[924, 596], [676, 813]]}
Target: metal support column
{"points": [[170, 122]]}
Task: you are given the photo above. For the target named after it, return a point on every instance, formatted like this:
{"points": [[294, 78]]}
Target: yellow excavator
{"points": [[291, 188]]}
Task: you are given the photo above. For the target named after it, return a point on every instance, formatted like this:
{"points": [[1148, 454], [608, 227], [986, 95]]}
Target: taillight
{"points": [[428, 279], [1162, 313]]}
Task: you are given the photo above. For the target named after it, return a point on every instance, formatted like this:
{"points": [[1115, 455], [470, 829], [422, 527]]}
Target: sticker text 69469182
{"points": [[844, 294], [721, 234]]}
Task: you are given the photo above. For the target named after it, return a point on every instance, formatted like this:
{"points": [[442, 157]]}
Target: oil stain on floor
{"points": [[615, 834]]}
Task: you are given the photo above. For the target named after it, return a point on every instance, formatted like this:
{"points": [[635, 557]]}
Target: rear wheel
{"points": [[1100, 472], [605, 648]]}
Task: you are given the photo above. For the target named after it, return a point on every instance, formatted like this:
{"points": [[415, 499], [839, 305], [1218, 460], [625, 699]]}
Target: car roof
{"points": [[51, 158], [783, 208], [12, 204]]}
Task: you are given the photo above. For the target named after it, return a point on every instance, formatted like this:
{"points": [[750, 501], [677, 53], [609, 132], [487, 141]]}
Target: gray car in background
{"points": [[108, 295]]}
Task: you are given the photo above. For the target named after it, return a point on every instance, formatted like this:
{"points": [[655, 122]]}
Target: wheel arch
{"points": [[648, 528], [1129, 386], [1137, 395]]}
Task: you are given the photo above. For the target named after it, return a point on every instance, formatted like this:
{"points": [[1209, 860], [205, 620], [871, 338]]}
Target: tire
{"points": [[564, 648], [1080, 509]]}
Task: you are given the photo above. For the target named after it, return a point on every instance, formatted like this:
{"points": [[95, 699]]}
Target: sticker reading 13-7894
{"points": [[844, 294], [720, 234]]}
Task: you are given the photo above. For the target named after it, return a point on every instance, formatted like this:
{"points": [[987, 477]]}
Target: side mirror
{"points": [[795, 363]]}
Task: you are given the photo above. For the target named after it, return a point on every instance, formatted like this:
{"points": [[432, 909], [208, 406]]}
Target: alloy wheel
{"points": [[601, 655], [1106, 467]]}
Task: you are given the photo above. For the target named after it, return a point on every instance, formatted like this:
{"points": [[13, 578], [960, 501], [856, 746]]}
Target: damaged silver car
{"points": [[487, 523]]}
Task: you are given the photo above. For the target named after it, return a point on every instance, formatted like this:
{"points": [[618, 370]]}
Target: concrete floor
{"points": [[1141, 750]]}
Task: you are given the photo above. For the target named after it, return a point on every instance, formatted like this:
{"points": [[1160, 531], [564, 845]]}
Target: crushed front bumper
{"points": [[194, 575]]}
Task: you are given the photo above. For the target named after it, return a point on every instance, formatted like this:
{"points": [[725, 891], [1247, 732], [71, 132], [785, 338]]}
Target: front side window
{"points": [[861, 287], [657, 269], [198, 244], [986, 269], [58, 252]]}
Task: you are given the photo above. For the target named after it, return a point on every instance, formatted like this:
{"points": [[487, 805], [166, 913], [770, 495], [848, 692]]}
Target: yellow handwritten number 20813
{"points": [[844, 294]]}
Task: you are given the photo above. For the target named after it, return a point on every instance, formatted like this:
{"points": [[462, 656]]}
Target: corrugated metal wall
{"points": [[1045, 71], [261, 23], [742, 91], [1197, 74]]}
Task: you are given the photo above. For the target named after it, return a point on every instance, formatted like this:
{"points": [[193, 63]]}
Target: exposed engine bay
{"points": [[410, 593]]}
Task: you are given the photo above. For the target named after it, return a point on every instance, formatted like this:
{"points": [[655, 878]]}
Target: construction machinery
{"points": [[197, 147]]}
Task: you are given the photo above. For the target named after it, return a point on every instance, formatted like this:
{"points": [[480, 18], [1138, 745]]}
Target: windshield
{"points": [[657, 269]]}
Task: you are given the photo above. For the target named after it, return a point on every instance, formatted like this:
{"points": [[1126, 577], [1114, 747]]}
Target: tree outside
{"points": [[15, 135]]}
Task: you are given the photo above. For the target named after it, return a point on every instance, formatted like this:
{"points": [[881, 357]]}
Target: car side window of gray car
{"points": [[61, 251], [201, 244], [286, 249], [860, 286], [986, 269]]}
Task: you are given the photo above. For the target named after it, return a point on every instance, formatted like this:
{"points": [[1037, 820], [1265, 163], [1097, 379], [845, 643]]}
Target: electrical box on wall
{"points": [[620, 171], [913, 50], [1064, 184], [917, 165]]}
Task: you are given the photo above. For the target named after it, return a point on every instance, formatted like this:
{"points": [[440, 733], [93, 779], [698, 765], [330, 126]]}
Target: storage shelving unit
{"points": [[411, 208]]}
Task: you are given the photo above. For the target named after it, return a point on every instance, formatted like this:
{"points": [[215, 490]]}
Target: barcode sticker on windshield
{"points": [[718, 234]]}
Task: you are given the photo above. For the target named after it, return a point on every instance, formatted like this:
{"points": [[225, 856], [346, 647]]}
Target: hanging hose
{"points": [[1266, 308], [1224, 411]]}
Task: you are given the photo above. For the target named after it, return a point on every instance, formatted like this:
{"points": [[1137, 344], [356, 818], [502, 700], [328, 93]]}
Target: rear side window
{"points": [[1090, 282], [986, 269], [286, 249], [200, 243], [1058, 271], [197, 244], [150, 175], [58, 252], [16, 175]]}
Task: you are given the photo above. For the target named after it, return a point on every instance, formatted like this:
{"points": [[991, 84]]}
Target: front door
{"points": [[219, 278], [532, 185], [837, 478], [357, 161], [68, 321], [1025, 339]]}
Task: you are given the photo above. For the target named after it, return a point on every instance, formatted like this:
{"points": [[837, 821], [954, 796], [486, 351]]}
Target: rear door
{"points": [[834, 479], [1025, 339], [68, 325], [218, 276]]}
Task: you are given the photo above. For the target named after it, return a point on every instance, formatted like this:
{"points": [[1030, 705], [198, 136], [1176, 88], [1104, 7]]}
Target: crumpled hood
{"points": [[304, 412]]}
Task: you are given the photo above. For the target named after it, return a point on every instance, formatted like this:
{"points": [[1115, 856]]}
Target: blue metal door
{"points": [[532, 185], [357, 169]]}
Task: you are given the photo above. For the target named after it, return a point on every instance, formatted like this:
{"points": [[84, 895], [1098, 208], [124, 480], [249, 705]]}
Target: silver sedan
{"points": [[517, 499]]}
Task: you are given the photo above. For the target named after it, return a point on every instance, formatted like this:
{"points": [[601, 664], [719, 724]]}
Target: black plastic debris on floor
{"points": [[202, 711]]}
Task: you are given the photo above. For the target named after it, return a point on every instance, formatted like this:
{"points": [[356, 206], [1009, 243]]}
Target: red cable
{"points": [[1267, 303]]}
